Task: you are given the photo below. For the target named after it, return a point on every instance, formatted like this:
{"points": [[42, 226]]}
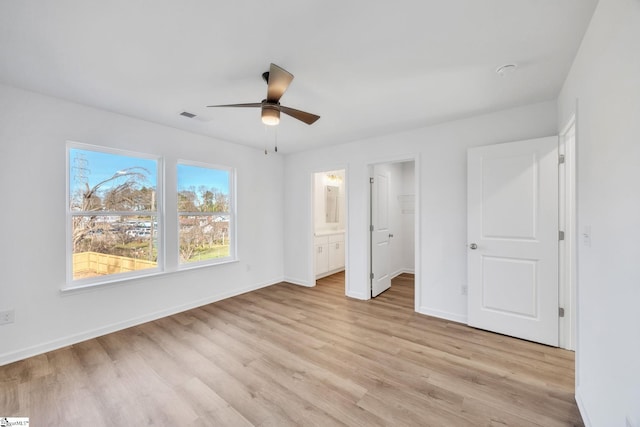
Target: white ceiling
{"points": [[366, 67]]}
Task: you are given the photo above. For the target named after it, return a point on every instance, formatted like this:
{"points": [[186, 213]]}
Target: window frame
{"points": [[233, 257], [70, 282]]}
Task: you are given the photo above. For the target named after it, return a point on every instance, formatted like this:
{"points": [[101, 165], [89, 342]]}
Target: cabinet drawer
{"points": [[322, 240]]}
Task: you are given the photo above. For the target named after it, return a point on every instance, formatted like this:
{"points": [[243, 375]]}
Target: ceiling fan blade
{"points": [[252, 104], [279, 80], [303, 116]]}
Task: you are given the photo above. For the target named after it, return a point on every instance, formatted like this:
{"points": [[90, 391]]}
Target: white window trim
{"points": [[233, 252]]}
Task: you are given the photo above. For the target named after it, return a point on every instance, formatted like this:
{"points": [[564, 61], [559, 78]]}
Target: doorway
{"points": [[329, 222], [392, 223]]}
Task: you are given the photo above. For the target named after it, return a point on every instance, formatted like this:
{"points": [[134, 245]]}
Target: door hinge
{"points": [[561, 159], [371, 227], [371, 276], [560, 235], [560, 311], [370, 180]]}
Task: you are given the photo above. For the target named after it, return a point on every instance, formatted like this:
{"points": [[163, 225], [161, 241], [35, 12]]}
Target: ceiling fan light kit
{"points": [[270, 114], [278, 80]]}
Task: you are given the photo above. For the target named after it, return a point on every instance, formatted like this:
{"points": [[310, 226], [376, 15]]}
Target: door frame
{"points": [[311, 228], [567, 262], [415, 158]]}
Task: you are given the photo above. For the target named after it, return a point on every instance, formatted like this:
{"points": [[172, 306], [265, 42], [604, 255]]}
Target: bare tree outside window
{"points": [[113, 210], [204, 213]]}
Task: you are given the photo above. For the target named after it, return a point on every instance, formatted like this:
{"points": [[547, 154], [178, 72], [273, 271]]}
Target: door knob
{"points": [[473, 246]]}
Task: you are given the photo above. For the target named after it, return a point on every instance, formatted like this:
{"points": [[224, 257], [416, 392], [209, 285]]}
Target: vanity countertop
{"points": [[327, 232]]}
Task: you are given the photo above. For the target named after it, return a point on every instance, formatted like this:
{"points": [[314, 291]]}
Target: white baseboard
{"points": [[582, 409], [402, 271], [454, 317], [329, 273], [357, 295], [299, 282], [35, 350]]}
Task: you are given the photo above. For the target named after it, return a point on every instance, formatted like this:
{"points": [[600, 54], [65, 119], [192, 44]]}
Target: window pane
{"points": [[204, 213], [203, 189], [110, 244], [204, 237], [113, 214], [111, 182]]}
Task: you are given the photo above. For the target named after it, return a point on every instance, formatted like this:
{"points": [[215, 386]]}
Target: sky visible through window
{"points": [[95, 167], [195, 176]]}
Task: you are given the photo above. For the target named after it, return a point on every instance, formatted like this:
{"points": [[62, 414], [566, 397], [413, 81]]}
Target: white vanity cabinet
{"points": [[329, 253], [336, 252], [322, 255]]}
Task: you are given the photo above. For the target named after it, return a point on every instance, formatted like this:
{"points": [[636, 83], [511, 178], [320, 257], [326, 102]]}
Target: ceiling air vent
{"points": [[201, 117]]}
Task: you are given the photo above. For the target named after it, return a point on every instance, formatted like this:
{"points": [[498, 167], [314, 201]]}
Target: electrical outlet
{"points": [[464, 290], [7, 316]]}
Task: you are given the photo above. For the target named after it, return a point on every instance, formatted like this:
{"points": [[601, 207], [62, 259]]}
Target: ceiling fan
{"points": [[278, 80]]}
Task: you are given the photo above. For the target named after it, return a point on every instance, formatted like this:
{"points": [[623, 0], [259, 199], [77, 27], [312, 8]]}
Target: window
{"points": [[205, 214], [113, 217]]}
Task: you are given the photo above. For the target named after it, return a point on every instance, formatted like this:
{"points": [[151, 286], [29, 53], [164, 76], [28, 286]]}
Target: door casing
{"points": [[568, 278]]}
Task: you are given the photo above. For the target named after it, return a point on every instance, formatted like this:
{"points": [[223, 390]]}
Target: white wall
{"points": [[440, 153], [33, 133], [407, 212], [604, 81]]}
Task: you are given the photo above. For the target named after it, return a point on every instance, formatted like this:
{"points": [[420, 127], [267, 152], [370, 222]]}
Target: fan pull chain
{"points": [[265, 140], [276, 138]]}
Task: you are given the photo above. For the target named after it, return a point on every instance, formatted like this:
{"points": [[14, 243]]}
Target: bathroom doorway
{"points": [[329, 223]]}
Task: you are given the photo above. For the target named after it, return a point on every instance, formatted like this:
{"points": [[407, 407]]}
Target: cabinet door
{"points": [[336, 255], [322, 259]]}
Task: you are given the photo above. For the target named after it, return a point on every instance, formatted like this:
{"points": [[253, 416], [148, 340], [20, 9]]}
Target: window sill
{"points": [[69, 289], [204, 264]]}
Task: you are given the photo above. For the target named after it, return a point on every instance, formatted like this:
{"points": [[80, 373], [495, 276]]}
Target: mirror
{"points": [[331, 203]]}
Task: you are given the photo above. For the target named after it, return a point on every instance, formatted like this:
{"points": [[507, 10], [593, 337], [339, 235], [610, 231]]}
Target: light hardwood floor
{"points": [[288, 355]]}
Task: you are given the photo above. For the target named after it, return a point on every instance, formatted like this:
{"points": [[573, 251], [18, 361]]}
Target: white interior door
{"points": [[380, 256], [513, 239]]}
